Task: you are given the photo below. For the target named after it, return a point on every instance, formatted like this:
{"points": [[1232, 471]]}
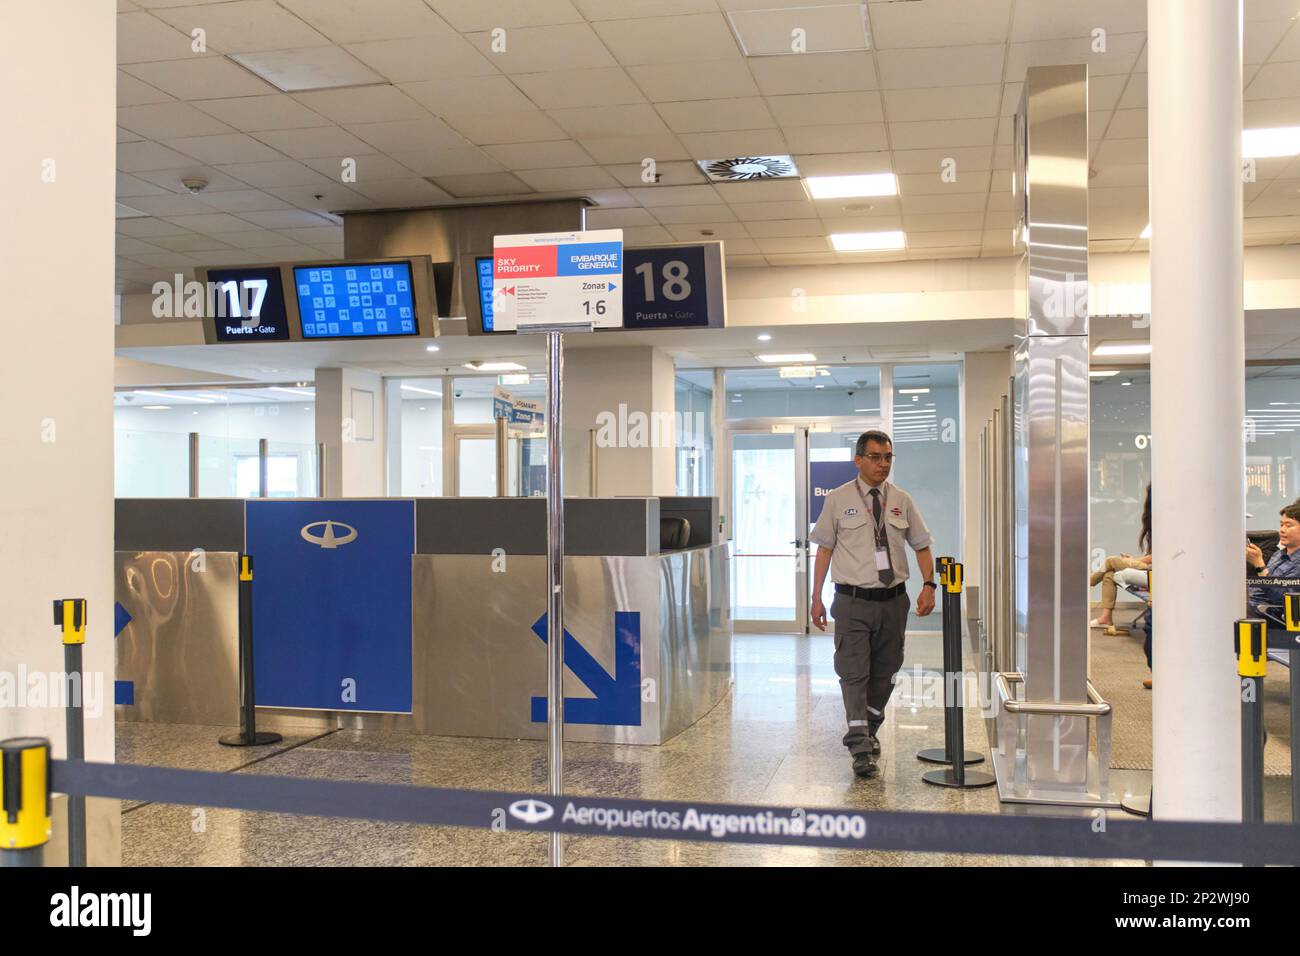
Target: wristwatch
{"points": [[930, 584]]}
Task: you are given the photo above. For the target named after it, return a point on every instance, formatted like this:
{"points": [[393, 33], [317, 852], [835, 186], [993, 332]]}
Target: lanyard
{"points": [[878, 523]]}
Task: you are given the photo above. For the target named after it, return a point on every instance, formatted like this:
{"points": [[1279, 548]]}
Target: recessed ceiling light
{"points": [[313, 68], [292, 391], [867, 241], [743, 168], [184, 398], [431, 348], [156, 408], [1103, 373], [495, 366], [1263, 143], [913, 391], [765, 336], [421, 391], [842, 187], [787, 358], [1145, 233], [1125, 348]]}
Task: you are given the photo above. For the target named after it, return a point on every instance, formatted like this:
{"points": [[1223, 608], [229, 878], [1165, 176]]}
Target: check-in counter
{"points": [[425, 614]]}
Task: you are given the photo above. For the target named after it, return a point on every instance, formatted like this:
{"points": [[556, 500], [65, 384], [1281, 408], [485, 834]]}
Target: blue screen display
{"points": [[483, 266], [355, 300]]}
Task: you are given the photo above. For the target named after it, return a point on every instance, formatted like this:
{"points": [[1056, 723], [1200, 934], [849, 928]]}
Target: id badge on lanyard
{"points": [[882, 540]]}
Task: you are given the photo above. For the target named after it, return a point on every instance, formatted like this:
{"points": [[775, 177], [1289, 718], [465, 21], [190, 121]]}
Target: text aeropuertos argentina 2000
{"points": [[720, 825]]}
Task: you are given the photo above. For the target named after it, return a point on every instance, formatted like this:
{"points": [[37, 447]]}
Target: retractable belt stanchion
{"points": [[1249, 644], [954, 681], [25, 803], [249, 735], [70, 618], [1291, 605], [952, 671]]}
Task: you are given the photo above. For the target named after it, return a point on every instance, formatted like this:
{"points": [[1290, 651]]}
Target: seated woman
{"points": [[1123, 570]]}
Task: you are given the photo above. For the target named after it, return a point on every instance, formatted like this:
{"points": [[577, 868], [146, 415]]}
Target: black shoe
{"points": [[864, 765], [874, 744]]}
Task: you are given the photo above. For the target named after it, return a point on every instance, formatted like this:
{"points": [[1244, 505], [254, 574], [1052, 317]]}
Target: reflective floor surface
{"points": [[775, 739]]}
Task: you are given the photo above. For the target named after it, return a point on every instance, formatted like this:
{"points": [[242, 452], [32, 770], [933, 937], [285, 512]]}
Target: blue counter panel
{"points": [[332, 603]]}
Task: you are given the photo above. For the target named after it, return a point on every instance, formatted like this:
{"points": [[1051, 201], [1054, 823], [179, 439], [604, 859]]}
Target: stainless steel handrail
{"points": [[1099, 707]]}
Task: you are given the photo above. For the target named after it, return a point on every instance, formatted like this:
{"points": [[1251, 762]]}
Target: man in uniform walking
{"points": [[860, 534]]}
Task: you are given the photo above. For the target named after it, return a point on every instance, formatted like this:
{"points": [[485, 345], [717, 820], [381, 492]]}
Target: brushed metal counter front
{"points": [[477, 662]]}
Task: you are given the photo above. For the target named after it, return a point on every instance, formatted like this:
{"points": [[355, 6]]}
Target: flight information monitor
{"points": [[483, 270], [356, 300]]}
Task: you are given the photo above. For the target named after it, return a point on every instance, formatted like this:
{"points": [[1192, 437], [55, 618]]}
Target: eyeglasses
{"points": [[876, 457]]}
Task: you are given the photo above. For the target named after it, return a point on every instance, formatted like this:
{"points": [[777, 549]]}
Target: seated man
{"points": [[1285, 563]]}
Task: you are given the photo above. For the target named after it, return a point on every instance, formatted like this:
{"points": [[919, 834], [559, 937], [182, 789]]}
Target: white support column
{"points": [[1194, 115]]}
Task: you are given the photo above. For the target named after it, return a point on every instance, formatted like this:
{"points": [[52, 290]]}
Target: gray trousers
{"points": [[868, 653]]}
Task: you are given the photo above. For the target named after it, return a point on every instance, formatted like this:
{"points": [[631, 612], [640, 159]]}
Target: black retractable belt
{"points": [[249, 735], [954, 750]]}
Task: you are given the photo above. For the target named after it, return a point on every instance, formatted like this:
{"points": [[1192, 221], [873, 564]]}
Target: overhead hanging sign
{"points": [[675, 287], [557, 279]]}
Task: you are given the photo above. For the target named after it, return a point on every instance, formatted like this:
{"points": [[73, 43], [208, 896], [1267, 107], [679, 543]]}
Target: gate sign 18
{"points": [[673, 287]]}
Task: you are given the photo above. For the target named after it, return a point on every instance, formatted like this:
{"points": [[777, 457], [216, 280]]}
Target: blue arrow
{"points": [[121, 618], [612, 287], [617, 699]]}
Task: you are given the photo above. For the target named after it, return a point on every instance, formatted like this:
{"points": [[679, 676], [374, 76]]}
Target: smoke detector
{"points": [[194, 184], [743, 168]]}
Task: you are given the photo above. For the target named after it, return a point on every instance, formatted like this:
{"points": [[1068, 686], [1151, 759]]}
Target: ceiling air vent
{"points": [[749, 167]]}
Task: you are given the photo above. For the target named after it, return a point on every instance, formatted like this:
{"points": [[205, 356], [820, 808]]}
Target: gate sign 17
{"points": [[673, 287], [556, 279]]}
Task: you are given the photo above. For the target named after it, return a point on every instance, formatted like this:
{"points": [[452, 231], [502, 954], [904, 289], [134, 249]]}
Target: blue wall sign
{"points": [[825, 477], [618, 696], [332, 603]]}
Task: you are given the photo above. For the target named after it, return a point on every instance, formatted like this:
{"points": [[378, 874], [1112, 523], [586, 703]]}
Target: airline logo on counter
{"points": [[327, 538], [556, 279]]}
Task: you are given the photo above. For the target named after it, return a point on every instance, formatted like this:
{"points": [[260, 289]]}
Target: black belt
{"points": [[871, 594]]}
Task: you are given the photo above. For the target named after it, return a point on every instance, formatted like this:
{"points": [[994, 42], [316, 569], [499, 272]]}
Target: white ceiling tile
{"points": [[308, 69], [366, 168], [932, 240], [762, 190], [619, 218], [943, 103], [670, 174], [569, 46], [690, 38], [695, 231], [322, 198], [706, 116], [1039, 21], [402, 192], [457, 161], [469, 94], [1260, 37], [758, 211], [1268, 206], [814, 73], [245, 25], [752, 142], [126, 136], [285, 218], [168, 120], [389, 137], [1103, 92], [646, 235], [943, 202], [939, 66], [258, 239], [352, 21], [1124, 152], [128, 186], [241, 200], [602, 121], [662, 148], [842, 164], [564, 89], [200, 78], [365, 104], [1003, 157], [1289, 48], [253, 114], [571, 179], [470, 16], [127, 245], [1275, 81], [841, 138], [563, 152], [941, 134], [1127, 124], [133, 92], [422, 58], [933, 161], [822, 109], [142, 37], [1121, 53], [1134, 96], [191, 242], [775, 228], [530, 126], [861, 215], [1001, 218], [782, 246], [940, 222], [822, 28], [933, 183], [939, 23], [145, 228], [611, 198], [1262, 114], [171, 179], [1116, 174], [681, 215], [668, 82], [134, 157], [213, 223], [652, 196], [632, 9], [739, 261], [284, 172], [226, 148], [484, 184], [312, 235]]}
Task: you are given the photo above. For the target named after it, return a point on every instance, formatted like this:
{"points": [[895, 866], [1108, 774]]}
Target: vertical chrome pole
{"points": [[194, 464], [502, 453], [554, 580], [263, 468]]}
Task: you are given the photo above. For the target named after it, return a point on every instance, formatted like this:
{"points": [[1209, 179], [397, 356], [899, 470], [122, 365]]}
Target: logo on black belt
{"points": [[531, 811], [327, 538]]}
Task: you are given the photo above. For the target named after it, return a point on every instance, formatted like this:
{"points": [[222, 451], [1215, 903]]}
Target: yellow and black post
{"points": [[249, 735], [70, 619], [1291, 607], [1250, 645], [954, 680], [25, 803]]}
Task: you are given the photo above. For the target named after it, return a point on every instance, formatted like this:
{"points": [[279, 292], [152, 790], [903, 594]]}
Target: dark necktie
{"points": [[882, 540]]}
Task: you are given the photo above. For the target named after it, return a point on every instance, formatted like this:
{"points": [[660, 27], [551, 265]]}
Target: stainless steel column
{"points": [[194, 464], [320, 469], [263, 468], [554, 579], [503, 452]]}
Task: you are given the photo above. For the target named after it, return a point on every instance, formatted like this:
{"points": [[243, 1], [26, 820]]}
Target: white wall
{"points": [[56, 436], [350, 421]]}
